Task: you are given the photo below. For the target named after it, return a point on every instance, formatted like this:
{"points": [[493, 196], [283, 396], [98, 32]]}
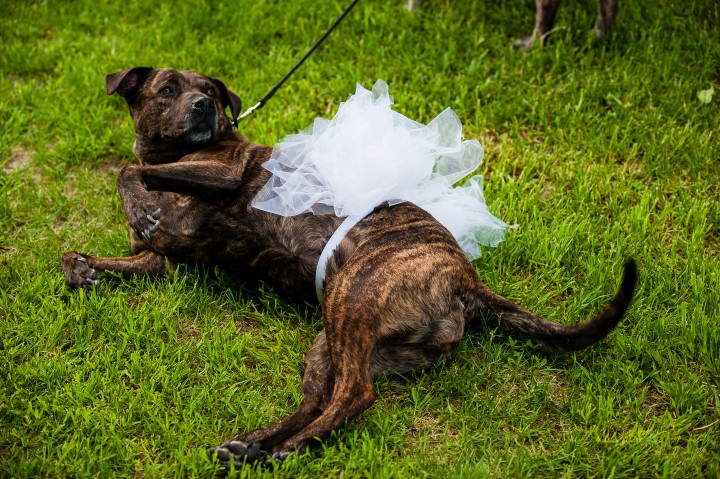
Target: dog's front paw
{"points": [[144, 222], [235, 452], [78, 272]]}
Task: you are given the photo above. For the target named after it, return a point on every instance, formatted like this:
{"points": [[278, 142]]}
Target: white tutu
{"points": [[368, 154]]}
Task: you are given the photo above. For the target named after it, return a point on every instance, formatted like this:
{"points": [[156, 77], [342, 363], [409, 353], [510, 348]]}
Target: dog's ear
{"points": [[229, 99], [127, 83]]}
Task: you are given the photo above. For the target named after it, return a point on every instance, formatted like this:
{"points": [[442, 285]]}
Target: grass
{"points": [[598, 150]]}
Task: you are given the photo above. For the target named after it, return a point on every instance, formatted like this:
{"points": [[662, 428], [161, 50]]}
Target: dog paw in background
{"points": [[545, 19], [545, 12]]}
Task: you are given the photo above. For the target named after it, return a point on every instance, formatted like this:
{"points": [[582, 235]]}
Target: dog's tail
{"points": [[557, 337]]}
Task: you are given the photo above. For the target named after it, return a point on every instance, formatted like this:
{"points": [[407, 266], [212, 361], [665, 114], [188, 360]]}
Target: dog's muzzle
{"points": [[203, 119]]}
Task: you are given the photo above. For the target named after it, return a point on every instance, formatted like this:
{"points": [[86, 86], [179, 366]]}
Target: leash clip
{"points": [[249, 111]]}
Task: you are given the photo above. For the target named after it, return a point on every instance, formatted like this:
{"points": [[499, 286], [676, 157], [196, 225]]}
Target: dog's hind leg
{"points": [[359, 350], [352, 394], [317, 386], [351, 341]]}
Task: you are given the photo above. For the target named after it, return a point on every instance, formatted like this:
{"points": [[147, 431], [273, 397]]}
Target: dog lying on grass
{"points": [[399, 291]]}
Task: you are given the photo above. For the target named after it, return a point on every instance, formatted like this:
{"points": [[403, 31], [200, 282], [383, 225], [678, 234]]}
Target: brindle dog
{"points": [[399, 291]]}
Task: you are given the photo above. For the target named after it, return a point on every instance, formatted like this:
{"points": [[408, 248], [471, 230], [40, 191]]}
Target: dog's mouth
{"points": [[201, 131], [194, 129], [202, 120]]}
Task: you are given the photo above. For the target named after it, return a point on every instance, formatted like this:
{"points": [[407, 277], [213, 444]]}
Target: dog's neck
{"points": [[150, 152]]}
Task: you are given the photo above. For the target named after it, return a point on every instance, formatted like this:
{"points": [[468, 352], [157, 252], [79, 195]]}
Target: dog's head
{"points": [[175, 112]]}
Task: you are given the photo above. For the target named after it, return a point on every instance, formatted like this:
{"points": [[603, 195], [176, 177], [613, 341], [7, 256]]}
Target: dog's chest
{"points": [[196, 228]]}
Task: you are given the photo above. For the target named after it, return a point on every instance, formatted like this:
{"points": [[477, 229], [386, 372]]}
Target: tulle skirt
{"points": [[368, 154]]}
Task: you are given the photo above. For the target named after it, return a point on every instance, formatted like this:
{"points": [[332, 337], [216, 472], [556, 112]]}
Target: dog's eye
{"points": [[168, 90], [210, 91]]}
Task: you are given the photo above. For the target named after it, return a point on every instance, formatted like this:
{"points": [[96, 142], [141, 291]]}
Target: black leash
{"points": [[270, 94]]}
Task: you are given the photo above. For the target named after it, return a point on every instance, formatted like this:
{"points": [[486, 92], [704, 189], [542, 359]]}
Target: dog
{"points": [[545, 12], [399, 291]]}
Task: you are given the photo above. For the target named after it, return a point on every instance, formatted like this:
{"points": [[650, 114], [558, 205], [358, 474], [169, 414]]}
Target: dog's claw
{"points": [[154, 227], [146, 224], [154, 219], [277, 457]]}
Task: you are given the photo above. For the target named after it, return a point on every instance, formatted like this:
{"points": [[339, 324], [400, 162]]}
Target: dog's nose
{"points": [[201, 104]]}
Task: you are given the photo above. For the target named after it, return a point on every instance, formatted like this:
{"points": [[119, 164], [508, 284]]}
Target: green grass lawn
{"points": [[599, 151]]}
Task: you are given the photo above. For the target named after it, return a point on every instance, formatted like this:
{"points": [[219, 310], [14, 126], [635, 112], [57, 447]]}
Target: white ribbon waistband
{"points": [[330, 246]]}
